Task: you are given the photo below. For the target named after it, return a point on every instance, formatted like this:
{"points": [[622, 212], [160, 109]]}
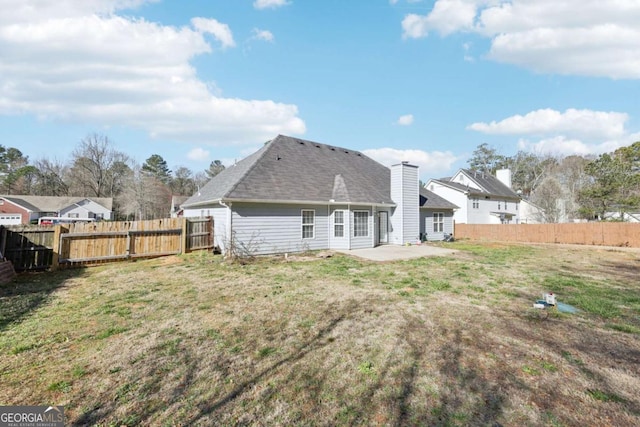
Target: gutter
{"points": [[285, 202]]}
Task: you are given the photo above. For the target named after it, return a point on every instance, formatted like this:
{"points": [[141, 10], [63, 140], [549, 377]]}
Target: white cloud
{"points": [[220, 31], [581, 37], [81, 62], [585, 123], [198, 154], [265, 4], [405, 120], [563, 146], [263, 35], [430, 163]]}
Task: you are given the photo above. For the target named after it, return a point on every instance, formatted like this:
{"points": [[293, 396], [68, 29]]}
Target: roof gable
{"points": [[431, 200], [297, 170], [55, 203]]}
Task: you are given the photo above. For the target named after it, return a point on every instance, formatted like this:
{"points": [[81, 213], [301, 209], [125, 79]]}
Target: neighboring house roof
{"points": [[53, 203], [297, 170], [489, 185], [176, 201], [431, 200]]}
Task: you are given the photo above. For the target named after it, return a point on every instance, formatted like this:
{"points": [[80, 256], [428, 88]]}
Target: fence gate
{"points": [[27, 247], [199, 233]]}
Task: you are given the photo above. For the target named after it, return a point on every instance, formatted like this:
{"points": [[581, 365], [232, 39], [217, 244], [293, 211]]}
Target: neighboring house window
{"points": [[438, 222], [338, 224], [476, 203], [360, 223], [73, 215], [505, 206], [308, 223], [498, 205]]}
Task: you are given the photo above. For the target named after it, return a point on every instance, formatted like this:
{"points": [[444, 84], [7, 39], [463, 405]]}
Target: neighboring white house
{"points": [[530, 213], [18, 209], [294, 195], [481, 197]]}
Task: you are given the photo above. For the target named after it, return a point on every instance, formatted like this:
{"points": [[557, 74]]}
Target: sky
{"points": [[425, 81]]}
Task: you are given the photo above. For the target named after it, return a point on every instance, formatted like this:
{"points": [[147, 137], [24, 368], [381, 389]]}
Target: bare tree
{"points": [[549, 197], [145, 197], [50, 178], [97, 168]]}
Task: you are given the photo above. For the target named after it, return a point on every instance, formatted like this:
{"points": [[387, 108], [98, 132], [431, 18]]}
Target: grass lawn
{"points": [[445, 341]]}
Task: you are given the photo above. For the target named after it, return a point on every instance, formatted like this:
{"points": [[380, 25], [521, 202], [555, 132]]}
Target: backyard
{"points": [[445, 341]]}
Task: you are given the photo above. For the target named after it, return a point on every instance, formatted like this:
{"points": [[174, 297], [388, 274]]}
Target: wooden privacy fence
{"points": [[34, 248], [590, 233]]}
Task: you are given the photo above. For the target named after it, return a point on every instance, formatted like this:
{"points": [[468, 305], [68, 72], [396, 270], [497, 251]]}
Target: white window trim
{"points": [[339, 223], [302, 224], [367, 222], [440, 217]]}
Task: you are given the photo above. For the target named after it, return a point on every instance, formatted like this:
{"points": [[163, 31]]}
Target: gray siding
{"points": [[405, 192], [268, 229], [426, 223], [411, 205], [395, 219], [367, 241]]}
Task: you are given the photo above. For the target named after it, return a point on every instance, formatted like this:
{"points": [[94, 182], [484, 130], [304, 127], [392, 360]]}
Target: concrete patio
{"points": [[396, 252]]}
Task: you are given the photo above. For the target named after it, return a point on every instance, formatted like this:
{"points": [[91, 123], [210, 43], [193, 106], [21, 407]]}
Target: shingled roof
{"points": [[489, 185], [431, 200], [55, 203], [288, 169]]}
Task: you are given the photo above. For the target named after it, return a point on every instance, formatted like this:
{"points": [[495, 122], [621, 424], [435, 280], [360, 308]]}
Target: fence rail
{"points": [[591, 233], [38, 247]]}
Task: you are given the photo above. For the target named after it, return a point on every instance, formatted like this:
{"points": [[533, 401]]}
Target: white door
{"points": [[383, 227]]}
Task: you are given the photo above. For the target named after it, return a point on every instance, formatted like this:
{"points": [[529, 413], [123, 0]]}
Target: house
{"points": [[176, 210], [15, 209], [436, 216], [482, 197], [294, 195], [530, 213]]}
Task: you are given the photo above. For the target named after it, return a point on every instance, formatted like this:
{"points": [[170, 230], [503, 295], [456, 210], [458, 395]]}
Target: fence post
{"points": [[184, 244], [55, 259]]}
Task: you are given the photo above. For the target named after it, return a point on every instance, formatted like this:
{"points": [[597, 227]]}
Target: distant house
{"points": [[295, 195], [176, 210], [481, 197], [530, 213], [26, 209]]}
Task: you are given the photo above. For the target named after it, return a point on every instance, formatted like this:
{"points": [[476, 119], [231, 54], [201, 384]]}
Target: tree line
{"points": [[97, 169], [571, 187]]}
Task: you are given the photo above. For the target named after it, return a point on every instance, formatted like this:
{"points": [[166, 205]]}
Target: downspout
{"points": [[349, 231], [229, 230], [329, 240]]}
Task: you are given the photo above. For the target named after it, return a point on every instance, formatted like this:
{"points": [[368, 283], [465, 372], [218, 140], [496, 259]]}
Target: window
{"points": [[360, 224], [73, 215], [505, 206], [438, 222], [476, 203], [498, 205], [338, 224], [308, 223]]}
